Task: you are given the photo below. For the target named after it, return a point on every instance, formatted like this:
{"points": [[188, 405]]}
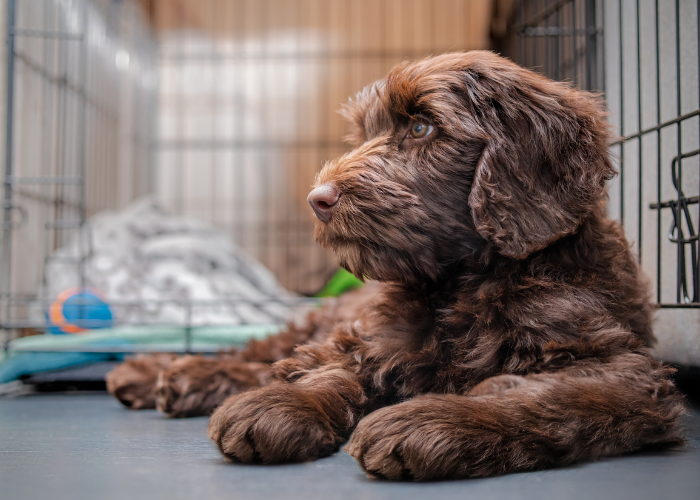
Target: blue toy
{"points": [[78, 310]]}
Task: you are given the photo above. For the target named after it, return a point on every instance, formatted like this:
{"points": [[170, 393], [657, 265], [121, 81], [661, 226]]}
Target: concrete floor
{"points": [[56, 447]]}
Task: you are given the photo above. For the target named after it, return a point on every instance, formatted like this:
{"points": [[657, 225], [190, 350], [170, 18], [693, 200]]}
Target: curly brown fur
{"points": [[512, 327], [133, 382], [195, 385]]}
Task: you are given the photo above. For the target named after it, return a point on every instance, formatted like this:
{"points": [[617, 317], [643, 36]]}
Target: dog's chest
{"points": [[429, 358]]}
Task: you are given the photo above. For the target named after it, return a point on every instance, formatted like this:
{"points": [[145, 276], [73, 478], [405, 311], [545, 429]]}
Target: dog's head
{"points": [[456, 155]]}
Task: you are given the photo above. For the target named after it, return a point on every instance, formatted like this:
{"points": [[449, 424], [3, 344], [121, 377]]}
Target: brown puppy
{"points": [[512, 326]]}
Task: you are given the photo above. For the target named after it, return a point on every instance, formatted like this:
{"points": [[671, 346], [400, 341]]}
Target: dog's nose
{"points": [[322, 200]]}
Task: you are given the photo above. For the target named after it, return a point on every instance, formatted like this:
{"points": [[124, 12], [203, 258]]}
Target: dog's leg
{"points": [[290, 422], [588, 410], [133, 382], [195, 385]]}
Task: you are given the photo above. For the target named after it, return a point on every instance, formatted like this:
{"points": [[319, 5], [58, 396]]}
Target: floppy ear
{"points": [[545, 164]]}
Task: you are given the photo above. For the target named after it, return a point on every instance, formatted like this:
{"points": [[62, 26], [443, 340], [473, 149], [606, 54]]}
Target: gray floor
{"points": [[56, 447]]}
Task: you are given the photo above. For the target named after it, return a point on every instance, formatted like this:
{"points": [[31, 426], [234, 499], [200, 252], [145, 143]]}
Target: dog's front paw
{"points": [[195, 385], [420, 439], [274, 424]]}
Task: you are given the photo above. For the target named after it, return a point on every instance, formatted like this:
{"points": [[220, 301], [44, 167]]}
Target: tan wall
{"points": [[249, 93]]}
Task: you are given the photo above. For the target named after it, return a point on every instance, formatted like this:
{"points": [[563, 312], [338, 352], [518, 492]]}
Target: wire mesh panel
{"points": [[80, 101], [653, 90]]}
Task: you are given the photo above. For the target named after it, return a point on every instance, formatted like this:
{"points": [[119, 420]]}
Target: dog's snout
{"points": [[322, 199]]}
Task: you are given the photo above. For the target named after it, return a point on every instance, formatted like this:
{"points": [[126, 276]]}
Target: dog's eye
{"points": [[419, 130]]}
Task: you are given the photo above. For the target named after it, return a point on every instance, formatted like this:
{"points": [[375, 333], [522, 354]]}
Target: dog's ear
{"points": [[545, 164]]}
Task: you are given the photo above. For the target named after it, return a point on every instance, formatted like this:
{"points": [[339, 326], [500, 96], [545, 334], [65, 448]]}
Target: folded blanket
{"points": [[153, 267], [38, 353]]}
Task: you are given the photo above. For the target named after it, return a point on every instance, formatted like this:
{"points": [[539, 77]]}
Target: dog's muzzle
{"points": [[322, 199]]}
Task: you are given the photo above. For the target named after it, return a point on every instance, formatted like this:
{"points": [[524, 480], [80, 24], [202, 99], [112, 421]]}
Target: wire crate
{"points": [[222, 110]]}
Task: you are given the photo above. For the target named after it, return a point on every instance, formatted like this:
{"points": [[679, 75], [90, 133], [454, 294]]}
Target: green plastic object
{"points": [[341, 282]]}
